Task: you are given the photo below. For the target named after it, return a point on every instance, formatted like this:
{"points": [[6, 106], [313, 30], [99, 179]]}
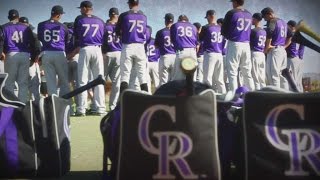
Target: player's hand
{"points": [[3, 56]]}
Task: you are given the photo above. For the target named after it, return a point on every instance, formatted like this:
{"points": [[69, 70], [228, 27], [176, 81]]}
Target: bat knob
{"points": [[188, 65]]}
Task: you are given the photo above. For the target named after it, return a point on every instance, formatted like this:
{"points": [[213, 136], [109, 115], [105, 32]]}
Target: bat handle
{"points": [[286, 73], [99, 80]]}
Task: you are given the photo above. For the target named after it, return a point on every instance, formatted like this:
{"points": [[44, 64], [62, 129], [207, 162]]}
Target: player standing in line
{"points": [[131, 28], [184, 37], [34, 69], [237, 28], [167, 52], [200, 52], [257, 43], [213, 60], [112, 52], [18, 42], [54, 37], [224, 53], [153, 55], [275, 49], [89, 32], [295, 54]]}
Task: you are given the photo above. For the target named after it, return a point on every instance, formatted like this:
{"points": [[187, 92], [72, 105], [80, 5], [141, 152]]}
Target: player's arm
{"points": [[2, 55], [34, 51], [105, 42], [76, 40], [226, 25], [173, 35], [157, 40], [289, 38], [270, 30], [67, 39], [118, 26]]}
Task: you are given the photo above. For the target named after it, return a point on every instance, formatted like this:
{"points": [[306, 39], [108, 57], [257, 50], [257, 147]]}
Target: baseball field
{"points": [[86, 148]]}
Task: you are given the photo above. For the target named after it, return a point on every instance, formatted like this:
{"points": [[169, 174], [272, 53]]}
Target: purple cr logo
{"points": [[166, 151], [303, 145]]}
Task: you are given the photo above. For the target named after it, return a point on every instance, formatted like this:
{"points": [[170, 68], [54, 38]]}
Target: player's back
{"points": [[237, 25], [53, 35], [258, 39], [163, 41], [89, 30], [152, 52], [17, 37], [113, 42], [183, 35], [278, 28], [212, 38], [132, 26]]}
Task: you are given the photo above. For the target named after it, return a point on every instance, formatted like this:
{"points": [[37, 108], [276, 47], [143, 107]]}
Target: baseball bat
{"points": [[99, 80], [286, 73], [189, 66]]}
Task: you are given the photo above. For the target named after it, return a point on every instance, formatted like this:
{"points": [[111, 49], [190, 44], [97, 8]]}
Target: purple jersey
{"points": [[88, 31], [152, 52], [70, 46], [17, 37], [212, 38], [112, 42], [258, 39], [277, 32], [237, 25], [132, 27], [184, 35], [53, 35], [163, 42]]}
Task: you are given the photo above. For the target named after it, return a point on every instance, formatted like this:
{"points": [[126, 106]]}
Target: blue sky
{"points": [[39, 10]]}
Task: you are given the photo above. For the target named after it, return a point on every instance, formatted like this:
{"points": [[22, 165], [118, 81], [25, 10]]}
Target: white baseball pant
{"points": [[35, 80], [276, 62], [112, 69], [166, 68], [153, 69], [91, 61], [55, 64], [186, 52], [239, 57], [199, 76], [17, 66], [133, 60], [258, 69], [213, 71], [295, 66], [2, 67]]}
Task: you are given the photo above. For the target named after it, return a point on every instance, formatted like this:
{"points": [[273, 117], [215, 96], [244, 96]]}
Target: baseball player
{"points": [[295, 55], [18, 42], [257, 43], [237, 28], [89, 32], [224, 53], [213, 60], [153, 55], [34, 69], [112, 52], [184, 37], [131, 27], [200, 53], [275, 48], [54, 37], [167, 52]]}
